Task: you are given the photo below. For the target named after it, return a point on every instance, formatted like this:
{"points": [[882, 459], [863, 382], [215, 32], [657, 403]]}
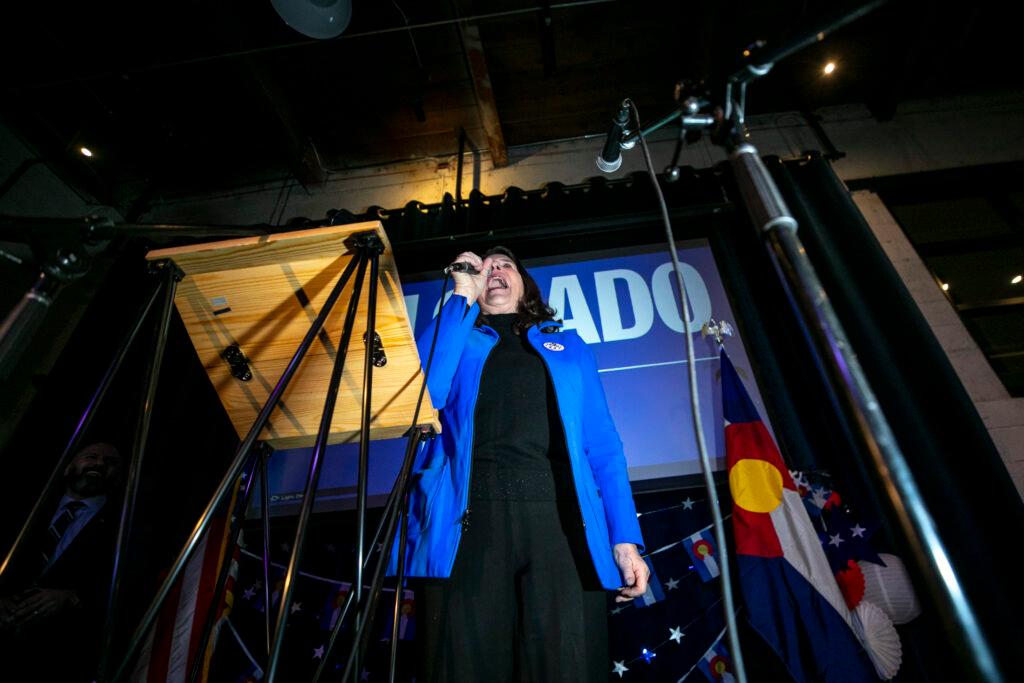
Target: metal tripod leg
{"points": [[364, 428], [383, 535], [361, 636], [265, 519], [171, 275], [313, 478], [403, 532]]}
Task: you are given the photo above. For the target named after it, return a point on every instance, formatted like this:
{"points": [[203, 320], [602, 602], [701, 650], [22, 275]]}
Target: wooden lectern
{"points": [[261, 294]]}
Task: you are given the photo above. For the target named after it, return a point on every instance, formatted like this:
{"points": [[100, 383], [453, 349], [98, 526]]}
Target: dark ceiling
{"points": [[193, 95]]}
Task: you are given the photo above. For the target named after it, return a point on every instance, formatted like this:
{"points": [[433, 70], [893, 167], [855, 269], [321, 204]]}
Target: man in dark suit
{"points": [[52, 608]]}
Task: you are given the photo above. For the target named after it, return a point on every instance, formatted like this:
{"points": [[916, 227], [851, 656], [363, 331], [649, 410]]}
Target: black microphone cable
{"points": [[433, 345], [705, 462]]}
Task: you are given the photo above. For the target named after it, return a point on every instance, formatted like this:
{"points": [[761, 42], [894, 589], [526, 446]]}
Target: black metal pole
{"points": [[385, 530], [403, 531], [366, 610], [224, 488], [313, 477], [364, 430], [80, 429], [171, 275], [415, 435], [265, 519], [459, 164], [762, 60], [234, 530]]}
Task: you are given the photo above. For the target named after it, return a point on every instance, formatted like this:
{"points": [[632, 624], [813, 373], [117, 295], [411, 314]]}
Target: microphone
{"points": [[460, 267], [611, 155]]}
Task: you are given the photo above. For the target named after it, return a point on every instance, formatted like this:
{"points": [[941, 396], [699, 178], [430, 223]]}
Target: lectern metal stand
{"points": [[241, 266]]}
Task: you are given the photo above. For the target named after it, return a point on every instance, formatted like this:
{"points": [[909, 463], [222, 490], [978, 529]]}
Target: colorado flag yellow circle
{"points": [[756, 485]]}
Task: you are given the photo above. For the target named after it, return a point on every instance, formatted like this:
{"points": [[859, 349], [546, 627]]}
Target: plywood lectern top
{"points": [[262, 293]]}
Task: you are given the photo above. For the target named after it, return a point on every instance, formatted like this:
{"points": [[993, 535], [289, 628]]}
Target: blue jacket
{"points": [[439, 490]]}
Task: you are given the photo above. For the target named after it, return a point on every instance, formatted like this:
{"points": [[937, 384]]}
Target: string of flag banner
{"points": [[700, 548], [337, 582], [685, 505], [692, 539], [714, 663], [676, 635], [255, 671], [328, 601]]}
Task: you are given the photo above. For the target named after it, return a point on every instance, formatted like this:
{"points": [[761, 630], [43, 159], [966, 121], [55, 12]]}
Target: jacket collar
{"points": [[545, 327]]}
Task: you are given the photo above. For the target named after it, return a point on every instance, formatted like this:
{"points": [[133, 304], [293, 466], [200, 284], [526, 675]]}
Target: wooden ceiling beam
{"points": [[476, 63]]}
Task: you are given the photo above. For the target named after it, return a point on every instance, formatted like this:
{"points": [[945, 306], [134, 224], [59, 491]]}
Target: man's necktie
{"points": [[59, 527]]}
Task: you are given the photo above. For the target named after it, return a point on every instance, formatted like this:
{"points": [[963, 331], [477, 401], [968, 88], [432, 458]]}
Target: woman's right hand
{"points": [[468, 285]]}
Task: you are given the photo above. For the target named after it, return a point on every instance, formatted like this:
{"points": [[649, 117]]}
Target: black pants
{"points": [[523, 602]]}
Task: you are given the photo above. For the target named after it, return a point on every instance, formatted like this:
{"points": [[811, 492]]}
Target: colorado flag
{"points": [[715, 664], [654, 592], [702, 553], [791, 595]]}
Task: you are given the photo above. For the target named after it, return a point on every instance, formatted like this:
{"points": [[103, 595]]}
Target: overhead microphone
{"points": [[610, 158], [460, 267]]}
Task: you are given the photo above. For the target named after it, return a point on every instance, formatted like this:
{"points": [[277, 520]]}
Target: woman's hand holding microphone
{"points": [[467, 284]]}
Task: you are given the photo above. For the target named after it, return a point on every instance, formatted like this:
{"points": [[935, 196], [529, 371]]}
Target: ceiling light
{"points": [[945, 286], [1016, 279], [321, 19], [829, 68], [86, 152]]}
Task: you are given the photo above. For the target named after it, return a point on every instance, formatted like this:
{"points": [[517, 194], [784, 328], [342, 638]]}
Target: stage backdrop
{"points": [[625, 304]]}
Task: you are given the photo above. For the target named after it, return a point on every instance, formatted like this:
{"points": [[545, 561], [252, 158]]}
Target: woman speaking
{"points": [[521, 514]]}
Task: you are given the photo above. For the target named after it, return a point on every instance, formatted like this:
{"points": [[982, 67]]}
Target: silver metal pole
{"points": [[771, 216], [171, 275]]}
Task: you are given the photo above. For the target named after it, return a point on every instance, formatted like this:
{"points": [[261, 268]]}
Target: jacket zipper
{"points": [[464, 523]]}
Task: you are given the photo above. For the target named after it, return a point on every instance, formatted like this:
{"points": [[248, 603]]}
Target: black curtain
{"points": [[962, 479]]}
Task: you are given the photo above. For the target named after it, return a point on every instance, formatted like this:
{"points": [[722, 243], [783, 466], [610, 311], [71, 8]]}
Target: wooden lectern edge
{"points": [[270, 249], [262, 241]]}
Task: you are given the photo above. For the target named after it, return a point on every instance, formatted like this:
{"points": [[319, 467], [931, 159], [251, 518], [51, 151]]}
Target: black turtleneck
{"points": [[518, 447]]}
